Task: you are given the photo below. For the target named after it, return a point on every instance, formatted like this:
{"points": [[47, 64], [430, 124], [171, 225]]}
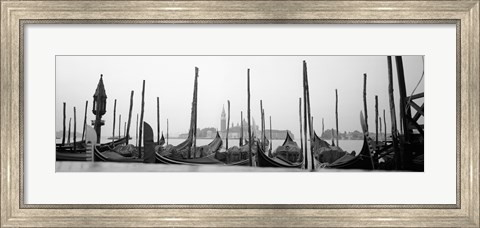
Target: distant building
{"points": [[210, 134], [235, 132]]}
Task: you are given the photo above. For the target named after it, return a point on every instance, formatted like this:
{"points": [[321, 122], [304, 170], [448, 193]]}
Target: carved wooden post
{"points": [[99, 107]]}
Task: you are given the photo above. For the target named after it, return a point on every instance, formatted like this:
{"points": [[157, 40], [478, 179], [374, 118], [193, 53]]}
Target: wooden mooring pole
{"points": [[241, 129], [310, 119], [385, 126], [333, 138], [405, 114], [136, 132], [300, 119], [380, 127], [167, 131], [264, 136], [249, 124], [119, 125], [194, 147], [305, 155], [140, 131], [158, 119], [228, 124], [271, 133], [376, 123], [129, 116], [69, 125], [397, 155], [262, 139], [114, 116], [84, 120], [64, 117], [336, 113], [74, 129], [305, 123], [365, 99]]}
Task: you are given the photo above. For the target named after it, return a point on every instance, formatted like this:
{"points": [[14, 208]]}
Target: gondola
{"points": [[362, 160], [110, 156], [63, 154], [324, 152], [105, 154], [81, 155], [111, 145], [318, 142], [181, 154], [289, 150], [210, 159], [242, 150], [67, 156], [162, 141], [80, 146], [245, 162], [265, 161]]}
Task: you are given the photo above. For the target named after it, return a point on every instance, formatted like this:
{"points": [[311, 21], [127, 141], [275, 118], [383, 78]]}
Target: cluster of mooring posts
{"points": [[402, 151]]}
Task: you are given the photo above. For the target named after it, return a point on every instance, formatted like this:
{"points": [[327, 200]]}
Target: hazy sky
{"points": [[277, 80]]}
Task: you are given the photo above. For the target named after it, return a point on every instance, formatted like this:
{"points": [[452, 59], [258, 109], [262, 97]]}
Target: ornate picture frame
{"points": [[464, 14]]}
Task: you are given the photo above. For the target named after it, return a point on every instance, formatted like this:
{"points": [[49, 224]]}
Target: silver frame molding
{"points": [[15, 14]]}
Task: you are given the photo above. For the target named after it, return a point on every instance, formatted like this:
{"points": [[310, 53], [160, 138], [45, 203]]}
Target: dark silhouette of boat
{"points": [[104, 153], [289, 150], [265, 161], [360, 161], [211, 148], [162, 141]]}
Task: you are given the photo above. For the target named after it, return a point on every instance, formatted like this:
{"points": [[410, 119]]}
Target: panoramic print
{"points": [[239, 113]]}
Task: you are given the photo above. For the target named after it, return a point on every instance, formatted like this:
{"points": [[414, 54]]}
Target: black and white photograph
{"points": [[239, 113]]}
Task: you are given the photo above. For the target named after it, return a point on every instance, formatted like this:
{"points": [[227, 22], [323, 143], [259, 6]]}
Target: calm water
{"points": [[347, 145]]}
